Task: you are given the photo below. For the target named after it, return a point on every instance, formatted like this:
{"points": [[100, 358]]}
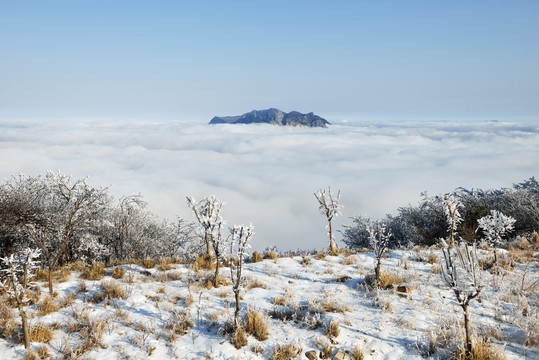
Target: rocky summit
{"points": [[274, 117]]}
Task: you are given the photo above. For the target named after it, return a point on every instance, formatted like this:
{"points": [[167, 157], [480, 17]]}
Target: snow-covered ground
{"points": [[301, 295]]}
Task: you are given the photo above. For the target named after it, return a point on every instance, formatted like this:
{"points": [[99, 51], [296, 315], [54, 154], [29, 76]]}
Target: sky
{"points": [[192, 60], [422, 95]]}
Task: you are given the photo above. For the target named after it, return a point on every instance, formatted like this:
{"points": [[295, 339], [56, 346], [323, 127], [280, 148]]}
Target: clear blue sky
{"points": [[196, 59]]}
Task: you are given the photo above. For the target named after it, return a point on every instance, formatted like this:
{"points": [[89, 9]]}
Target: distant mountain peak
{"points": [[275, 117]]}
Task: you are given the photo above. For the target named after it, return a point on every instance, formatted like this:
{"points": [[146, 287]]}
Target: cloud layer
{"points": [[267, 175]]}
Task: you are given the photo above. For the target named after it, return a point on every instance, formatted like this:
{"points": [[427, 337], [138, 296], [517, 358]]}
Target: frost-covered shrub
{"points": [[18, 270], [330, 207], [494, 227], [240, 235]]}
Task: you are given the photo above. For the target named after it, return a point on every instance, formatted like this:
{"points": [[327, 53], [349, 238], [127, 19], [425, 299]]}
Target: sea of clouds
{"points": [[267, 174]]}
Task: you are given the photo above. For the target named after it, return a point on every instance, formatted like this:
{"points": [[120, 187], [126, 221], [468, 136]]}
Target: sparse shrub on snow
{"points": [[286, 352]]}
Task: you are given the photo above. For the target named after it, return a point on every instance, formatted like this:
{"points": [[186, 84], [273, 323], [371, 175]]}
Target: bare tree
{"points": [[461, 272], [18, 271], [127, 222], [240, 236], [379, 235], [330, 207]]}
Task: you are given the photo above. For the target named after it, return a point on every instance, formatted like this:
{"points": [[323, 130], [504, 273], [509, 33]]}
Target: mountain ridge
{"points": [[273, 116]]}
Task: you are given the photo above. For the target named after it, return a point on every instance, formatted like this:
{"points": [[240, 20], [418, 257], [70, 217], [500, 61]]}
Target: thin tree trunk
{"points": [[237, 312], [50, 280], [468, 347], [377, 273], [332, 247], [25, 329], [207, 243], [216, 278]]}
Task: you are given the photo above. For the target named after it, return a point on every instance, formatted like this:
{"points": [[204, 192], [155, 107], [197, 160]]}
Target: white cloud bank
{"points": [[267, 175]]}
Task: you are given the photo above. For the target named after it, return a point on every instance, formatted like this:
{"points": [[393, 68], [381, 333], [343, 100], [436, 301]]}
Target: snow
{"points": [[384, 323]]}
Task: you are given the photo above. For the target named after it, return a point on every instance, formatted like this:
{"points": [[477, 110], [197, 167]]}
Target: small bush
{"points": [[257, 257], [256, 324], [272, 255], [285, 352]]}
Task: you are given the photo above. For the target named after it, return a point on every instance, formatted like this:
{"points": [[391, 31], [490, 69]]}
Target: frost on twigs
{"points": [[462, 273], [18, 271], [330, 207], [494, 227], [379, 235], [451, 208], [208, 215], [239, 243]]}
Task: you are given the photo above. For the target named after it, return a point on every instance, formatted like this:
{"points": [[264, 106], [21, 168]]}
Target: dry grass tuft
{"points": [[207, 283], [43, 352], [350, 260], [204, 262], [326, 350], [148, 263], [7, 319], [239, 338], [113, 290], [306, 260], [332, 329], [40, 332], [257, 257], [118, 272], [174, 275], [481, 350], [256, 324], [48, 305], [285, 352], [95, 272], [257, 349], [180, 322], [165, 264], [388, 280], [254, 282], [327, 303], [357, 353], [272, 255]]}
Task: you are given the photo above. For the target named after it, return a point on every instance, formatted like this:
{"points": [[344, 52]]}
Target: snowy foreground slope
{"points": [[167, 312]]}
